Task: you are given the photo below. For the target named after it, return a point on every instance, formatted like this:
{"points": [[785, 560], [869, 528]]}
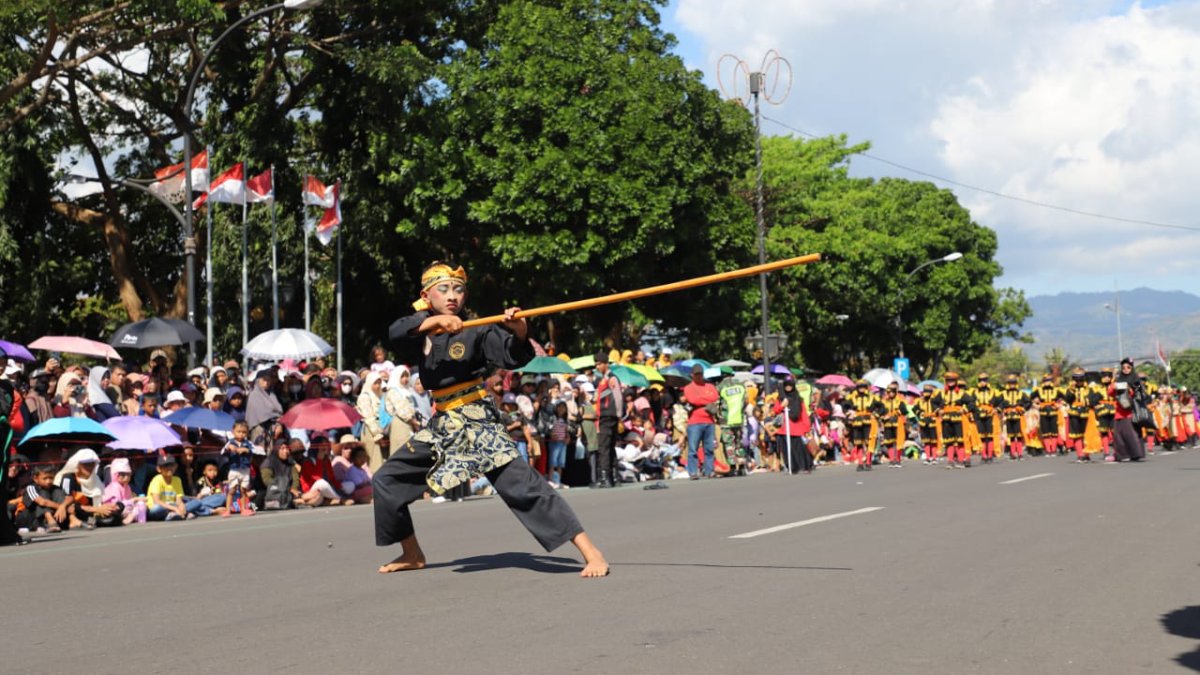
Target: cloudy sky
{"points": [[1093, 105]]}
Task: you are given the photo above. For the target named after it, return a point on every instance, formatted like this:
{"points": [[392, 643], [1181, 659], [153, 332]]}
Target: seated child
{"points": [[211, 491], [164, 497], [44, 505], [118, 492]]}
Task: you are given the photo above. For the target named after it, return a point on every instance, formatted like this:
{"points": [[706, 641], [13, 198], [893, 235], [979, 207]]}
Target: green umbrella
{"points": [[629, 377], [583, 362], [547, 365], [675, 376]]}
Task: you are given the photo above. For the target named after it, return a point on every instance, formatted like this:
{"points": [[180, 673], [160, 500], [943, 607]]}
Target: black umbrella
{"points": [[155, 332]]}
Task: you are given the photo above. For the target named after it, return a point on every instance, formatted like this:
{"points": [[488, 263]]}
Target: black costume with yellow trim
{"points": [[1047, 397], [862, 407], [895, 412], [927, 418], [1106, 407], [1081, 399], [985, 411], [1013, 404], [466, 436], [955, 406]]}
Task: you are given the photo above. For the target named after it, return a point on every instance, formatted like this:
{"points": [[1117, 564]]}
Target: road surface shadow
{"points": [[751, 567], [513, 560], [1185, 623]]}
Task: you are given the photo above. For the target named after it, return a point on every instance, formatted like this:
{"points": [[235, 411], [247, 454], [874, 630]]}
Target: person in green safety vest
{"points": [[731, 417]]}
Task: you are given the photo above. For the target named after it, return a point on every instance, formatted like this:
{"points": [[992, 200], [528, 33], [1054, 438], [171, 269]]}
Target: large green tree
{"points": [[852, 310]]}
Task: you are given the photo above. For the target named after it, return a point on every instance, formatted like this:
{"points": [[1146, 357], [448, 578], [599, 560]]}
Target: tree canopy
{"points": [[558, 150]]}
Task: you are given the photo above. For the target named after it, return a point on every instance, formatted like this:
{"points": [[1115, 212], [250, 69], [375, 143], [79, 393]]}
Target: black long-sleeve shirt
{"points": [[448, 359]]}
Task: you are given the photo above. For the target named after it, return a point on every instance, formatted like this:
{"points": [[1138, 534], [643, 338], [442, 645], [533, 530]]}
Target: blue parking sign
{"points": [[901, 367]]}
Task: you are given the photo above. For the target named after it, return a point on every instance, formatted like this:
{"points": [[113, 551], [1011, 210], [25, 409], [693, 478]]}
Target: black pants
{"points": [[1127, 444], [8, 531], [606, 448], [401, 481]]}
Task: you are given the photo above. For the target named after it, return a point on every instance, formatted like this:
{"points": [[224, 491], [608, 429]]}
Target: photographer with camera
{"points": [[72, 397], [1131, 397]]}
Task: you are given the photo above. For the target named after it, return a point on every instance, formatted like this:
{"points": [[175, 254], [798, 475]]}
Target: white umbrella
{"points": [[286, 343], [882, 377], [732, 363], [748, 377]]}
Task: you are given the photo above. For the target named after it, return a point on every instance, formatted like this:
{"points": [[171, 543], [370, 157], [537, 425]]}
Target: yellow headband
{"points": [[434, 276]]}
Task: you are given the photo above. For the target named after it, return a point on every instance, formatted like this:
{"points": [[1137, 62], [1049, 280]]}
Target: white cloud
{"points": [[1073, 104]]}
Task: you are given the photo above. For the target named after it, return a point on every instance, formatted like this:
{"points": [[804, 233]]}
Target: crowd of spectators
{"points": [[717, 424]]}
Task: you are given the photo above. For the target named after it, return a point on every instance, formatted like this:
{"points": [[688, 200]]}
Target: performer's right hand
{"points": [[441, 323]]}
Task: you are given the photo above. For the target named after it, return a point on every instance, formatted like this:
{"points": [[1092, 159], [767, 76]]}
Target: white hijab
{"points": [[93, 487]]}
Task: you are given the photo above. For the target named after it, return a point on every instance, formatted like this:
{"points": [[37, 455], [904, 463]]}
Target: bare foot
{"points": [[594, 563], [402, 564], [413, 558], [224, 513]]}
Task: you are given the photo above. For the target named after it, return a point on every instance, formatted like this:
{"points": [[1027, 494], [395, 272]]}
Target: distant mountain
{"points": [[1084, 325]]}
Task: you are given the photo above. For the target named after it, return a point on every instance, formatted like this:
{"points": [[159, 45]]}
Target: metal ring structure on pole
{"points": [[757, 87]]}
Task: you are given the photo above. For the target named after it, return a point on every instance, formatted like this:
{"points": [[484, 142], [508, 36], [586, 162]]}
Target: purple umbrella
{"points": [[776, 369], [16, 352], [141, 433]]}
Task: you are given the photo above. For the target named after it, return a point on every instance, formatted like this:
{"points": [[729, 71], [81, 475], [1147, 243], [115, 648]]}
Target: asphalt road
{"points": [[1088, 569]]}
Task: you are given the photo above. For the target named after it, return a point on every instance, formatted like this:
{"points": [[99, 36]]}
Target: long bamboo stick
{"points": [[652, 290]]}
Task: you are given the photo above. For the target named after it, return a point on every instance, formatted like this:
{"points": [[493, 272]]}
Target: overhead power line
{"points": [[1002, 195]]}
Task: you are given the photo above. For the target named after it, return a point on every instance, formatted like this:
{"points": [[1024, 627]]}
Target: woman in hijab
{"points": [[71, 398], [262, 407], [97, 389], [235, 403], [1128, 391], [79, 478], [370, 404], [400, 403], [347, 385], [793, 433]]}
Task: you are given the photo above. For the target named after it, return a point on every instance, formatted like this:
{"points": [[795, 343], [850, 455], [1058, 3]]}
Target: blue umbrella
{"points": [[201, 418], [935, 383], [141, 433], [776, 369], [68, 429], [688, 363]]}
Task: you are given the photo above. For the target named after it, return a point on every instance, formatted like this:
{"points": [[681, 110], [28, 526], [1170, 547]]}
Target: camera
{"points": [[78, 390]]}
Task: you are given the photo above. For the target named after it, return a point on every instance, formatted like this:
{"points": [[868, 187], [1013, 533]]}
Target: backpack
{"points": [[279, 495]]}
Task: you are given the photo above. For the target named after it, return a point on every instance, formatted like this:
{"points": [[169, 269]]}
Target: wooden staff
{"points": [[652, 290]]}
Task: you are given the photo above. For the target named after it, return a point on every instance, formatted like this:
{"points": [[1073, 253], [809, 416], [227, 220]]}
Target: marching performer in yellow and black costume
{"points": [[895, 414], [1106, 413], [1013, 404], [863, 410], [927, 417], [1081, 399], [986, 418], [1048, 399], [955, 406]]}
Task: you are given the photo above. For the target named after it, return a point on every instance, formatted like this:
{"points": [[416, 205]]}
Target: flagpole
{"points": [[340, 343], [208, 272], [307, 301], [245, 275], [274, 258]]}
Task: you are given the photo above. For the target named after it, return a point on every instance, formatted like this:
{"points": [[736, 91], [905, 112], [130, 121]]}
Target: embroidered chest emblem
{"points": [[457, 351]]}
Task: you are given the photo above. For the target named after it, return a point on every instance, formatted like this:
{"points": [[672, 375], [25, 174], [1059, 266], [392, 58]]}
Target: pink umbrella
{"points": [[75, 345], [836, 380]]}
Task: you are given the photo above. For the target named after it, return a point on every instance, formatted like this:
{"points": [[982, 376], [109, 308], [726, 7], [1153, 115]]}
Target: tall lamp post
{"points": [[1115, 308], [189, 239], [951, 257]]}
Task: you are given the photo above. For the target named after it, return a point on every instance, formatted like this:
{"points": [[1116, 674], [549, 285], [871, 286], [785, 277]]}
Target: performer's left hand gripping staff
{"points": [[467, 436]]}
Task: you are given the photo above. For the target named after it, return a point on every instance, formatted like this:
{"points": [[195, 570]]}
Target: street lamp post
{"points": [[189, 239], [951, 257], [1115, 308]]}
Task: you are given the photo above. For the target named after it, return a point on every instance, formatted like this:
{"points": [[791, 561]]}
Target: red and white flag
{"points": [[316, 194], [1162, 358], [332, 217], [261, 188], [228, 188], [170, 181]]}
